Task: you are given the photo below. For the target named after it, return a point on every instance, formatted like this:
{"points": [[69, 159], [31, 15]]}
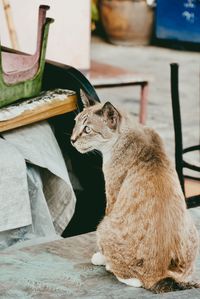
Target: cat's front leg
{"points": [[98, 259]]}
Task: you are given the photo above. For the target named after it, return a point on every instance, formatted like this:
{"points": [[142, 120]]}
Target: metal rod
{"points": [[177, 123]]}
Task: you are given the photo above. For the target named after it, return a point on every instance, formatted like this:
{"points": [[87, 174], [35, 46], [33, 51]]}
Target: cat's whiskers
{"points": [[76, 112], [67, 134], [96, 152], [78, 109]]}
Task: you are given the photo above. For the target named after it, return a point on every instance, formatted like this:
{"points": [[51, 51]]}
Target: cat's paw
{"points": [[133, 282], [108, 267], [98, 259]]}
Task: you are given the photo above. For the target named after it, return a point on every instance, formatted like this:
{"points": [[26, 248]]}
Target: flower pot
{"points": [[127, 22]]}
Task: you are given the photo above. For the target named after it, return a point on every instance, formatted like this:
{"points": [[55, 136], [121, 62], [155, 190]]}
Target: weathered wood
{"points": [[192, 187], [43, 110], [10, 25]]}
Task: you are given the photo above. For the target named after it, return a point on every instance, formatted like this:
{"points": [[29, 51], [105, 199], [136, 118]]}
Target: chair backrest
{"points": [[191, 201]]}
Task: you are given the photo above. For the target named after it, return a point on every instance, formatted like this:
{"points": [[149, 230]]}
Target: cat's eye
{"points": [[87, 129]]}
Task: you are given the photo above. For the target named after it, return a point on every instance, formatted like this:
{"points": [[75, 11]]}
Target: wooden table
{"points": [[104, 75], [62, 269]]}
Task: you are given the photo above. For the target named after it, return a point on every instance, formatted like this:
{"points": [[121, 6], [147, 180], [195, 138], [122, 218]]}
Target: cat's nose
{"points": [[73, 140]]}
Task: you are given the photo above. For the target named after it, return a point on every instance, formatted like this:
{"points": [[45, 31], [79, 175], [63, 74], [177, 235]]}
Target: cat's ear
{"points": [[111, 115], [85, 100]]}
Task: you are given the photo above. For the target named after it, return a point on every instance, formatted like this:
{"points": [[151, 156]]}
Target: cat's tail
{"points": [[169, 284]]}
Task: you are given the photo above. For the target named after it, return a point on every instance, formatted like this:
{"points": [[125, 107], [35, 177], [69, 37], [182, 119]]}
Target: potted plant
{"points": [[127, 22]]}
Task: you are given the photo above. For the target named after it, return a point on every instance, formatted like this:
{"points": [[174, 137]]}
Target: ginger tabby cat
{"points": [[147, 237]]}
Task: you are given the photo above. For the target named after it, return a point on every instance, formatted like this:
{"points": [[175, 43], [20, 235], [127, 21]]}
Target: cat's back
{"points": [[140, 146], [140, 165]]}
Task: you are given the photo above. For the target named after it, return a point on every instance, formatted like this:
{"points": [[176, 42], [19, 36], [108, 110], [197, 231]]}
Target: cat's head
{"points": [[96, 127]]}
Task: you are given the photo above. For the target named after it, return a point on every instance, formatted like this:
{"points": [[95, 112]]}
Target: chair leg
{"points": [[193, 201], [143, 102]]}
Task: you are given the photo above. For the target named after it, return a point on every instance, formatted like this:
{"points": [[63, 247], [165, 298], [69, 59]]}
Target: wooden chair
{"points": [[190, 184]]}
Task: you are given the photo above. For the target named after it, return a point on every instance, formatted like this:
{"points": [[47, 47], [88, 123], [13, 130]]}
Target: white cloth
{"points": [[41, 228], [48, 191], [14, 199]]}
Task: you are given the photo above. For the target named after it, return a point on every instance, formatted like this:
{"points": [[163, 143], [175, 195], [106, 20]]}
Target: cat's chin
{"points": [[84, 150]]}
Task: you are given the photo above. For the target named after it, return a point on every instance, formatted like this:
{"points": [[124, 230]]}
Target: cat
{"points": [[147, 237]]}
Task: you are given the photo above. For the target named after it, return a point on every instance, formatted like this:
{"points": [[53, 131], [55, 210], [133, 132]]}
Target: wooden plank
{"points": [[192, 187], [43, 110]]}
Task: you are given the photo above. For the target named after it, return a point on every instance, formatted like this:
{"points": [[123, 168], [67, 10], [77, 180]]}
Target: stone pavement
{"points": [[62, 270]]}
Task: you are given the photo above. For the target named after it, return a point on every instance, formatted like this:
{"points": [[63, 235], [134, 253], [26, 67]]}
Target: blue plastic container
{"points": [[178, 20]]}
